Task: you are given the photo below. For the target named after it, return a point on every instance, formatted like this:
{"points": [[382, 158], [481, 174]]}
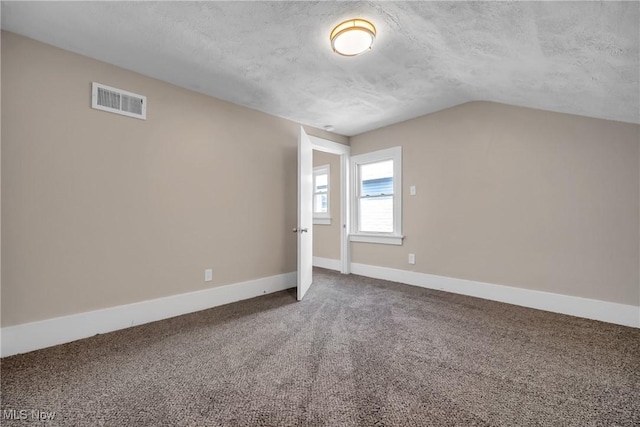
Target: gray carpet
{"points": [[356, 351]]}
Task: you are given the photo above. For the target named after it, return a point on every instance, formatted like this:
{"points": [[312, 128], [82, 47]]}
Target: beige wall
{"points": [[518, 197], [100, 209], [326, 238]]}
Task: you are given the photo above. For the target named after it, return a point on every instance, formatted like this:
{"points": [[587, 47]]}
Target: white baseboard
{"points": [[33, 336], [621, 314], [60, 330], [328, 263]]}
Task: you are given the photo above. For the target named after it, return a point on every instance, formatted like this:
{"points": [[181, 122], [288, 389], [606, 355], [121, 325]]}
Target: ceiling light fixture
{"points": [[353, 37]]}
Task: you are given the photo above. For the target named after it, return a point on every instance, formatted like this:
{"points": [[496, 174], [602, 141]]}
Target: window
{"points": [[321, 213], [377, 197]]}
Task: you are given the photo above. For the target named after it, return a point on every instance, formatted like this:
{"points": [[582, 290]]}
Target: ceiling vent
{"points": [[118, 101]]}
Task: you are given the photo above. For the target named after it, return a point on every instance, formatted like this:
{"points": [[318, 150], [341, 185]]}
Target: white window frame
{"points": [[392, 238], [322, 218]]}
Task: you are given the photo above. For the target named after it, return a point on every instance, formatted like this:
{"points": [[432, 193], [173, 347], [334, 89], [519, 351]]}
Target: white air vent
{"points": [[118, 101]]}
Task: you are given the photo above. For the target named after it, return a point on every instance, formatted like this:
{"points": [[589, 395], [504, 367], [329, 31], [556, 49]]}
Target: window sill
{"points": [[389, 239], [322, 221]]}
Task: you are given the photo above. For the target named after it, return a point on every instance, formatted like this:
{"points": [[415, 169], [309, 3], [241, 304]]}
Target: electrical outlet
{"points": [[208, 275], [412, 190], [412, 258]]}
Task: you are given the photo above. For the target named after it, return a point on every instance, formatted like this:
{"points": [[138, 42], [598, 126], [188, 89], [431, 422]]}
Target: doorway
{"points": [[332, 247], [306, 192], [326, 210]]}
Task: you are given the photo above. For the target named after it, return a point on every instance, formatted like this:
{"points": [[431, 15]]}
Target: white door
{"points": [[305, 214]]}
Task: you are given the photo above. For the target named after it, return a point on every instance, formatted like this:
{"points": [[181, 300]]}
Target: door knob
{"points": [[295, 230]]}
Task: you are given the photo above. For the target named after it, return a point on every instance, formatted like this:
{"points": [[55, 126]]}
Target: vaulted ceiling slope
{"points": [[573, 57]]}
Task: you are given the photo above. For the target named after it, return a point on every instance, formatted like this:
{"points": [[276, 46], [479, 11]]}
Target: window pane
{"points": [[376, 214], [321, 183], [376, 178], [320, 203]]}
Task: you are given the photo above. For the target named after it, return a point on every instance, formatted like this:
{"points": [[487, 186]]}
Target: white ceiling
{"points": [[579, 58]]}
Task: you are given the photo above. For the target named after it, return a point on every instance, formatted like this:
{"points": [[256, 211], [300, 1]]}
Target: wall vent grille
{"points": [[107, 98]]}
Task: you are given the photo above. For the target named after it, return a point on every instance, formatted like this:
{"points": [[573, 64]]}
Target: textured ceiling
{"points": [[575, 57]]}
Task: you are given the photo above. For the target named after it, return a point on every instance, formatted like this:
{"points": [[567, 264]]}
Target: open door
{"points": [[305, 214]]}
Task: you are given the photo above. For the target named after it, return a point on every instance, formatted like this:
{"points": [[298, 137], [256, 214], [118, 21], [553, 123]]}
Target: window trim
{"points": [[322, 218], [392, 238]]}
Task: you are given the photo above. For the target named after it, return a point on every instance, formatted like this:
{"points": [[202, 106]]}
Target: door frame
{"points": [[344, 151]]}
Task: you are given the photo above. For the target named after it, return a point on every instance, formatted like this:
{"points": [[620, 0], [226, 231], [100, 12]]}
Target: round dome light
{"points": [[353, 37]]}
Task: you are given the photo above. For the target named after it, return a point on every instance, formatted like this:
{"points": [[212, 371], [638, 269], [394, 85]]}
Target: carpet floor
{"points": [[355, 352]]}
